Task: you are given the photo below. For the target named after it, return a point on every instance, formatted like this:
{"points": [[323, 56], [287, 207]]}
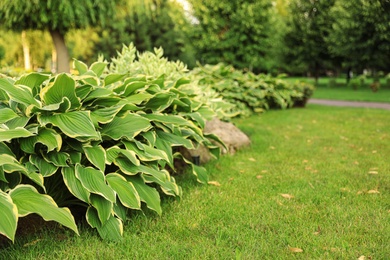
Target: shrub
{"points": [[252, 93], [102, 141]]}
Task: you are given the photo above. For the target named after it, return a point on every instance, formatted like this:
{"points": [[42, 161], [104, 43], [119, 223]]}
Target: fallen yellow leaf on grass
{"points": [[264, 171], [252, 159], [373, 192], [287, 196], [295, 249], [32, 243], [373, 172], [318, 231], [215, 183], [259, 176], [374, 151], [362, 257]]}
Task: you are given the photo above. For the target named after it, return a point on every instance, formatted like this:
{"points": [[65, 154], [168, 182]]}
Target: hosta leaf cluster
{"points": [[250, 92], [103, 141]]}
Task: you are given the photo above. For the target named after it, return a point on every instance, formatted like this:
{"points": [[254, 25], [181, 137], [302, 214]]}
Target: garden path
{"points": [[341, 103]]}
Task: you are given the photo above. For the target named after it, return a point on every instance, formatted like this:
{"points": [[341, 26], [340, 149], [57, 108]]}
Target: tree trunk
{"points": [[61, 50], [26, 52]]}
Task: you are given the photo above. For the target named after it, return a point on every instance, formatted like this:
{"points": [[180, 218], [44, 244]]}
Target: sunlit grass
{"points": [[337, 89], [315, 179]]}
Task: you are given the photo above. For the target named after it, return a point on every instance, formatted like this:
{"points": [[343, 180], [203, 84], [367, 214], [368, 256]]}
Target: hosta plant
{"points": [[151, 64], [251, 93], [102, 141]]}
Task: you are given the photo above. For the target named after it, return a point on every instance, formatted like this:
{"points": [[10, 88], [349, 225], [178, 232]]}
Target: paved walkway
{"points": [[340, 103]]}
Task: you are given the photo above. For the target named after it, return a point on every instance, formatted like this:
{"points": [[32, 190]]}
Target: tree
{"points": [[308, 27], [58, 17], [235, 32], [360, 34], [161, 24]]}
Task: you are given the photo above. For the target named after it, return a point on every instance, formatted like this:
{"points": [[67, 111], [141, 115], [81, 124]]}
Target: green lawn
{"points": [[315, 180], [338, 90]]}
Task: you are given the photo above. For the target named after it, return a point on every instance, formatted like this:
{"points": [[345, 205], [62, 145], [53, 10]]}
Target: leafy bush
{"points": [[102, 141], [252, 93], [137, 64]]}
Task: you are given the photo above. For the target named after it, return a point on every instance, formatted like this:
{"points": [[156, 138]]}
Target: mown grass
{"points": [[337, 89], [316, 179]]}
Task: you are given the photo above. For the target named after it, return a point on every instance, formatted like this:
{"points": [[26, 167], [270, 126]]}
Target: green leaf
{"points": [[19, 93], [112, 78], [57, 158], [45, 136], [128, 126], [73, 124], [125, 190], [173, 119], [8, 216], [94, 181], [45, 168], [96, 155], [81, 67], [6, 114], [105, 115], [146, 193], [145, 152], [103, 207], [19, 132], [63, 86], [112, 229], [74, 185], [98, 68], [28, 200], [136, 98], [160, 102], [33, 81], [4, 149], [175, 140]]}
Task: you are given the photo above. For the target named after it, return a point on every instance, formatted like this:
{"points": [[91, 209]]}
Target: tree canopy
{"points": [[58, 17]]}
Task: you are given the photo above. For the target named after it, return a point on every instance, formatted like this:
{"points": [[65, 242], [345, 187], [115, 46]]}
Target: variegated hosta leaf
{"points": [[63, 86], [48, 137], [198, 171], [98, 68], [160, 102], [73, 124], [125, 190], [28, 200], [113, 78], [8, 216], [112, 229], [146, 193], [128, 126], [105, 115], [173, 119], [80, 66], [4, 149], [136, 99], [10, 164], [94, 181], [33, 81], [6, 114], [9, 134], [174, 139], [45, 168], [114, 152], [96, 155], [74, 185], [129, 88], [104, 207], [19, 93], [57, 158], [168, 186], [145, 152]]}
